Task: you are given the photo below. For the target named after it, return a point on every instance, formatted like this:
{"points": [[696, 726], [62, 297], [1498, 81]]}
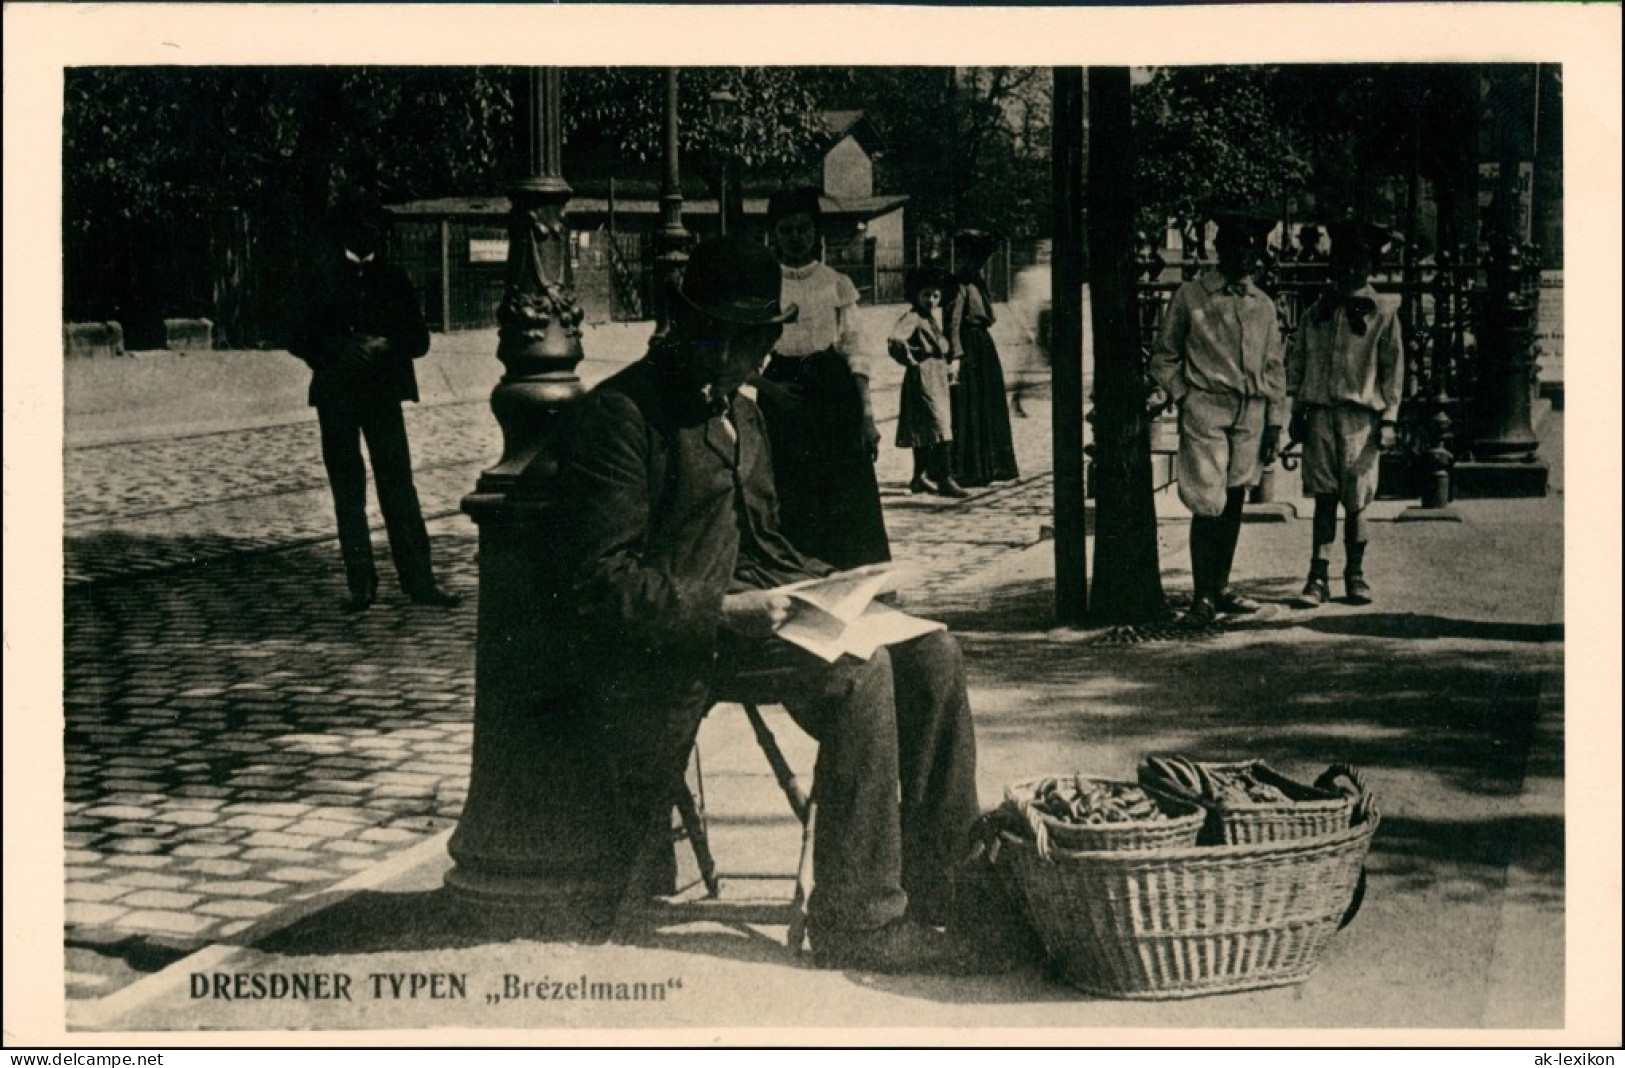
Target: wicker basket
{"points": [[1313, 811], [1184, 822], [1189, 922]]}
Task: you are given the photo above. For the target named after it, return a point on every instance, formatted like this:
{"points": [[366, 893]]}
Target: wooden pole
{"points": [[445, 275], [1128, 579], [1067, 168]]}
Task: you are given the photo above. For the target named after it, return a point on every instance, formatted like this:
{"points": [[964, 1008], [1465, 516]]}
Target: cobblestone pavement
{"points": [[135, 508], [234, 744], [139, 507]]}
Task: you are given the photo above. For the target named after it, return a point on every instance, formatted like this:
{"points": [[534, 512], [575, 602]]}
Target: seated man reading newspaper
{"points": [[681, 578]]}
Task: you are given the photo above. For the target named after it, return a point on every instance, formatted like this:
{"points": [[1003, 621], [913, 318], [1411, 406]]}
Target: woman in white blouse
{"points": [[814, 396]]}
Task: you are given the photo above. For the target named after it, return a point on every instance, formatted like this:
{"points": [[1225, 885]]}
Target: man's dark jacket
{"points": [[664, 518], [348, 300]]}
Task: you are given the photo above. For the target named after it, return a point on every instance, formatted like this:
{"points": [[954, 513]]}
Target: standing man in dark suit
{"points": [[360, 330]]}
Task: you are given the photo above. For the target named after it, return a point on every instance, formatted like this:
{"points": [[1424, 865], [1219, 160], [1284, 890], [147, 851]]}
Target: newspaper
{"points": [[838, 615]]}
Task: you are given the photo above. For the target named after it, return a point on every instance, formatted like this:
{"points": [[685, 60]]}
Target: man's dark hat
{"points": [[1351, 235], [1309, 230], [922, 278], [360, 215], [735, 280], [803, 200]]}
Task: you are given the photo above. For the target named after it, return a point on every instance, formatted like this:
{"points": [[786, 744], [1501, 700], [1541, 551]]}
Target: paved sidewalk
{"points": [[1449, 698], [233, 743], [258, 779]]}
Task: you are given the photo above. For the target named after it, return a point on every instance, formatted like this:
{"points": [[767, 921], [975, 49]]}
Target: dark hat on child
{"points": [[735, 280], [1247, 220], [919, 279], [1355, 236]]}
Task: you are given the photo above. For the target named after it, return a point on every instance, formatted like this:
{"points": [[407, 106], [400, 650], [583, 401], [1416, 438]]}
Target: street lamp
{"points": [[524, 838], [671, 240], [720, 107]]}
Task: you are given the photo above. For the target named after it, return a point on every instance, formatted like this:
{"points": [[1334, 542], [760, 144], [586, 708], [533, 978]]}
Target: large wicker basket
{"points": [[1313, 811], [1188, 922], [1183, 823]]}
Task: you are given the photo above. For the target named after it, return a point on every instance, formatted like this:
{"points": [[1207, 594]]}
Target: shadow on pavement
{"points": [[1411, 626], [415, 921], [1431, 725], [1409, 853], [432, 920]]}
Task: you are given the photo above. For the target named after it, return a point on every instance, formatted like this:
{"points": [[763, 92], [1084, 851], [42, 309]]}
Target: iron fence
{"points": [[1441, 307]]}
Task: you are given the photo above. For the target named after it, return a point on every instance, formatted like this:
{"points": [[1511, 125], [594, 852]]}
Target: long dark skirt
{"points": [[983, 450], [829, 501]]}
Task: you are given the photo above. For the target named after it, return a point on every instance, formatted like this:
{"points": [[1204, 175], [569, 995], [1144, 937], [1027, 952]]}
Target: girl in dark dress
{"points": [[814, 397], [983, 450]]}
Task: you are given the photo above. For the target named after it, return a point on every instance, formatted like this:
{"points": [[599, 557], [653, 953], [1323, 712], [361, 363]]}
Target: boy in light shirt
{"points": [[1346, 377]]}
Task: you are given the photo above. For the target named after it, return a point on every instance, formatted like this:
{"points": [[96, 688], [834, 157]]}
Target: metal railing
{"points": [[1440, 312]]}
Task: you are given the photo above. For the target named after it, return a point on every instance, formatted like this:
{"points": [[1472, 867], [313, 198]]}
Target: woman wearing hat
{"points": [[925, 416], [814, 395], [983, 450]]}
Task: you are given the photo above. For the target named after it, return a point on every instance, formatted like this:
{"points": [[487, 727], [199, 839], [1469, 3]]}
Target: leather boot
{"points": [[1355, 588], [363, 592], [434, 596], [1317, 590], [947, 486], [922, 461]]}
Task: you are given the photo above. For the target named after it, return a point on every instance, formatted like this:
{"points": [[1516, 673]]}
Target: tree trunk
{"points": [[1066, 349], [1128, 576]]}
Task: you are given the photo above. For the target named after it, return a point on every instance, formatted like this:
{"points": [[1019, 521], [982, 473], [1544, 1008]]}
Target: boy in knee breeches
{"points": [[1345, 376], [1218, 355]]}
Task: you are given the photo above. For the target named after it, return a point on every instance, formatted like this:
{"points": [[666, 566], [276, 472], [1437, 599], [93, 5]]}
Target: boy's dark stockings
{"points": [[1355, 532], [1213, 546]]}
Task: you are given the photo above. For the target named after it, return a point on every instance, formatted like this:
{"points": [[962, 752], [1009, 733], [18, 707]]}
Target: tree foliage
{"points": [[774, 129], [969, 144], [146, 143], [1333, 134], [1207, 134], [163, 166]]}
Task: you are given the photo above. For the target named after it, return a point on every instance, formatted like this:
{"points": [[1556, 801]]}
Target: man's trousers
{"points": [[380, 422], [895, 781]]}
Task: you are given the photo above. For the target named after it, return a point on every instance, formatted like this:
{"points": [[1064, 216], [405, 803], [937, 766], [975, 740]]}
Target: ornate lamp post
{"points": [[1504, 442], [671, 240], [720, 107], [525, 836]]}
